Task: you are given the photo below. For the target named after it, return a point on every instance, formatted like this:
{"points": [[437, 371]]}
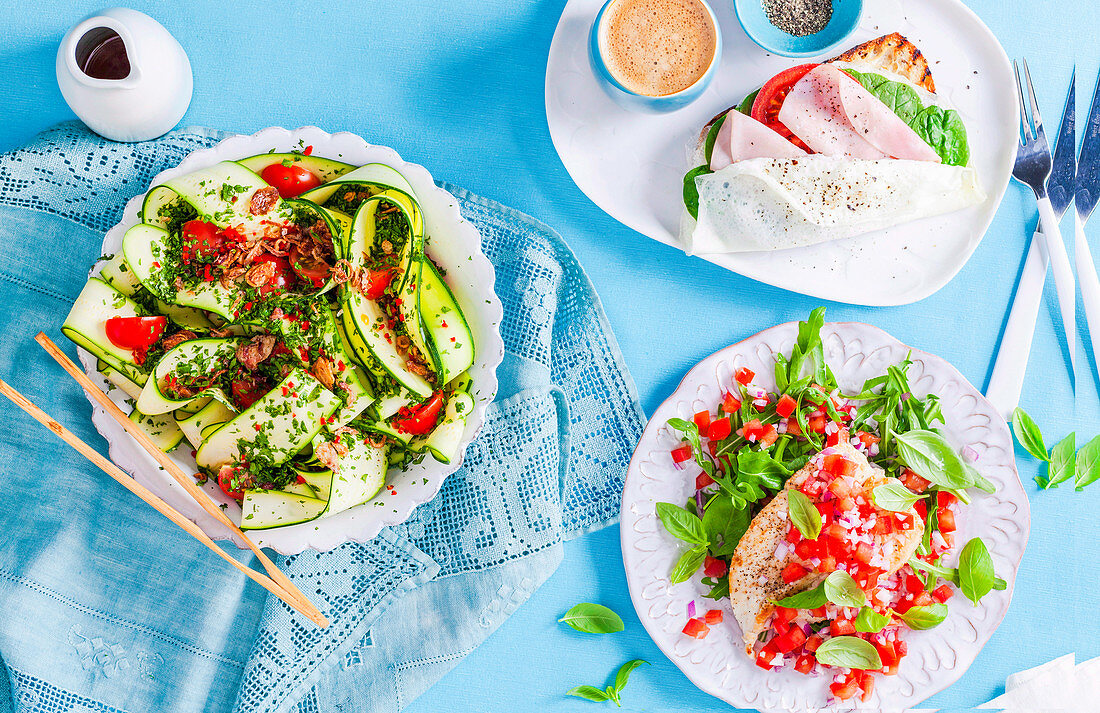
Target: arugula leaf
{"points": [[808, 599], [691, 191], [688, 564], [1063, 459], [842, 590], [1029, 435], [724, 524], [624, 673], [869, 621], [682, 524], [976, 576], [1086, 470], [690, 433], [849, 652], [803, 514], [593, 619], [924, 617], [894, 496], [590, 693]]}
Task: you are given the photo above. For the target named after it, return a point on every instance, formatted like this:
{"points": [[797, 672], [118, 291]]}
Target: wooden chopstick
{"points": [[186, 481], [142, 492]]}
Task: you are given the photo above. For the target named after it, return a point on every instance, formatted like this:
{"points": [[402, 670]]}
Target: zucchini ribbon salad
{"points": [[827, 520], [828, 151], [281, 315]]}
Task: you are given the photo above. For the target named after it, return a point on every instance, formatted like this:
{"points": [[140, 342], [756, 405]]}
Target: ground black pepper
{"points": [[799, 17]]}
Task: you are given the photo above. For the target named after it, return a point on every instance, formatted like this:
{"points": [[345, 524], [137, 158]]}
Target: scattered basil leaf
{"points": [[681, 524], [947, 573], [746, 104], [724, 524], [933, 458], [1086, 470], [624, 673], [849, 652], [803, 514], [1063, 458], [869, 621], [894, 496], [924, 617], [712, 136], [843, 591], [976, 576], [691, 191], [590, 693], [688, 564], [808, 599], [1028, 434], [593, 619]]}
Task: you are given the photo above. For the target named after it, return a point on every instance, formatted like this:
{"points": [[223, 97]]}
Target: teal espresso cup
{"points": [[635, 99]]}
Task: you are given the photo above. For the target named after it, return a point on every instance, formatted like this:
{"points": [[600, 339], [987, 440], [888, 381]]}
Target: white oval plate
{"points": [[453, 242], [632, 165], [718, 664]]}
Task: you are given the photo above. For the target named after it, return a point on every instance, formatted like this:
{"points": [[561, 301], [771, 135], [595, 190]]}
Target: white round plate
{"points": [[632, 165], [453, 242], [718, 664]]}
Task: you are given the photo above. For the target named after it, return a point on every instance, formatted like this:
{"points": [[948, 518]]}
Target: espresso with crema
{"points": [[657, 47]]}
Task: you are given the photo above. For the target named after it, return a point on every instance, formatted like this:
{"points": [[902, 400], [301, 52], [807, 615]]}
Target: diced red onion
{"points": [[699, 501], [691, 609], [970, 453], [679, 466]]}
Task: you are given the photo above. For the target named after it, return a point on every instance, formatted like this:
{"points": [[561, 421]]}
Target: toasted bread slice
{"points": [[755, 573], [893, 53]]}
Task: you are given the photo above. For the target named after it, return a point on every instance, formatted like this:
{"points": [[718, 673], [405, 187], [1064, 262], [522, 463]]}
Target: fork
{"points": [[1033, 164]]}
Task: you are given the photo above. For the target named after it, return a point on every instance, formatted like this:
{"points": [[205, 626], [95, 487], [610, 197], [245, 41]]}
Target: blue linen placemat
{"points": [[105, 606]]}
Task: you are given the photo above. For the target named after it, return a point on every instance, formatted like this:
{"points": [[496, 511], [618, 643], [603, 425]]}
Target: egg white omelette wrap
{"points": [[828, 151]]}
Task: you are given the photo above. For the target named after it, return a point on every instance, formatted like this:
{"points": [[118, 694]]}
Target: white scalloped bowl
{"points": [[453, 242], [718, 664]]}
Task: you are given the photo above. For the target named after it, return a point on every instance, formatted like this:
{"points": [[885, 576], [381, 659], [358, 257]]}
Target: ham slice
{"points": [[834, 115], [742, 137]]}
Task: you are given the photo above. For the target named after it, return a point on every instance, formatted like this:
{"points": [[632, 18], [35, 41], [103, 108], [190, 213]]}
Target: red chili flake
{"points": [[233, 199], [341, 365], [236, 313], [285, 391], [308, 150], [156, 264], [194, 453], [290, 384], [257, 426], [398, 302], [248, 305], [443, 324]]}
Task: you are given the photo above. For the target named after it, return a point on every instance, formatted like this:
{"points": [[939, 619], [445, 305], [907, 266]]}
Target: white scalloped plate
{"points": [[632, 165], [718, 664], [454, 243]]}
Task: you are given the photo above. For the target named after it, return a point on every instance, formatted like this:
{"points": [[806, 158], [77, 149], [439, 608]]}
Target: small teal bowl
{"points": [[643, 102], [846, 17]]}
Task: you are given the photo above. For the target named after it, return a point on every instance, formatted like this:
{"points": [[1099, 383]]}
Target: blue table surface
{"points": [[458, 87]]}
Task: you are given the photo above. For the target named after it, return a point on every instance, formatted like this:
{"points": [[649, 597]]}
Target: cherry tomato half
{"points": [[379, 281], [284, 277], [315, 272], [200, 240], [226, 476], [247, 391], [422, 419], [770, 99], [135, 332], [290, 181]]}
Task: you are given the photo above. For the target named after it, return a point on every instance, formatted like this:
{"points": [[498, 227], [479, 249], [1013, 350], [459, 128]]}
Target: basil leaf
{"points": [[712, 136], [803, 514], [976, 576], [688, 564], [808, 599], [746, 104], [691, 191], [1028, 434], [624, 673], [924, 617], [894, 496], [843, 591], [869, 621], [724, 524], [849, 652], [933, 458], [682, 524], [1086, 470], [1063, 458], [590, 693], [593, 619], [947, 573]]}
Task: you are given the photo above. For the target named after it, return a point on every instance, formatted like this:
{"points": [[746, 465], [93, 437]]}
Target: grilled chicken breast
{"points": [[755, 573]]}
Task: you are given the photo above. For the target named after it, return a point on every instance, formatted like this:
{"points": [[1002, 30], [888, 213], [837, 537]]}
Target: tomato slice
{"points": [[290, 181], [200, 240], [284, 276], [379, 280], [315, 272], [247, 391], [135, 332], [422, 419], [768, 102]]}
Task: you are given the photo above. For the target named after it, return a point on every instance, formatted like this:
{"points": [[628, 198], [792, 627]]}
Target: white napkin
{"points": [[1058, 686]]}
